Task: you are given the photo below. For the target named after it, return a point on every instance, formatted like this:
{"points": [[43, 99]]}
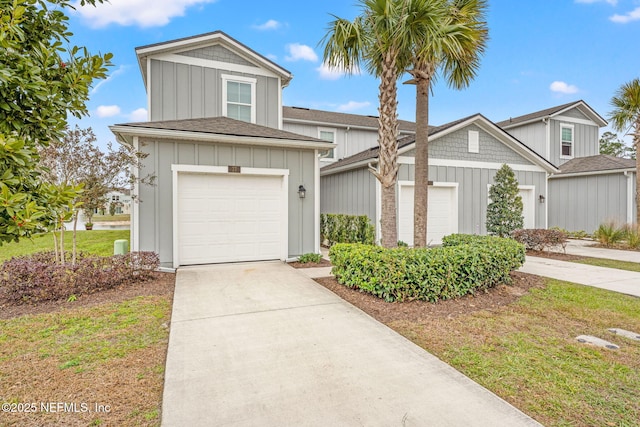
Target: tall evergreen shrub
{"points": [[504, 212]]}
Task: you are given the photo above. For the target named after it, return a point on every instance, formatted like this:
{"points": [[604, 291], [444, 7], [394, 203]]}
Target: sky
{"points": [[541, 53]]}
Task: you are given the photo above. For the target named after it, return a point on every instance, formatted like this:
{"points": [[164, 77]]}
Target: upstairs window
{"points": [[239, 98], [566, 141], [328, 135]]}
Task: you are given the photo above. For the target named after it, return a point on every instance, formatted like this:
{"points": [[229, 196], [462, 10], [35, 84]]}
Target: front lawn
{"points": [[519, 342], [111, 218], [97, 242], [610, 263]]}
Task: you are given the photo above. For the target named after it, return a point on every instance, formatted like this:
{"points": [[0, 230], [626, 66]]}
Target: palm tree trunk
{"points": [[421, 187], [636, 143], [387, 171]]}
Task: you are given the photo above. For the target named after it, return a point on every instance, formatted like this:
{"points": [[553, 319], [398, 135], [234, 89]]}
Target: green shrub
{"points": [[310, 257], [454, 270], [632, 236], [504, 211], [338, 228], [609, 234]]}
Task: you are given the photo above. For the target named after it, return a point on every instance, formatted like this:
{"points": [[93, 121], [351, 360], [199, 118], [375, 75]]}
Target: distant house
{"points": [[121, 202]]}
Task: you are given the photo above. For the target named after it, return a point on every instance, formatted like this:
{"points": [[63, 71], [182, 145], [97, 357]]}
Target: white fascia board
{"points": [[574, 120], [597, 120], [208, 63], [340, 125], [589, 173], [403, 160], [127, 131], [356, 165]]}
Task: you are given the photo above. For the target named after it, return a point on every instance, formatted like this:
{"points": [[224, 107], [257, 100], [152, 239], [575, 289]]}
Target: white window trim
{"points": [[239, 79], [335, 137], [573, 140]]}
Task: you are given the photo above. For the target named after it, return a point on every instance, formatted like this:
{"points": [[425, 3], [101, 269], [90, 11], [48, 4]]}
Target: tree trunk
{"points": [[55, 245], [387, 171], [421, 187], [636, 143], [74, 249]]}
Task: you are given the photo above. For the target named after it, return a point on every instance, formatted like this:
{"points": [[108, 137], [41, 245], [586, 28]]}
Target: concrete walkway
{"points": [[626, 282], [583, 248], [261, 344]]}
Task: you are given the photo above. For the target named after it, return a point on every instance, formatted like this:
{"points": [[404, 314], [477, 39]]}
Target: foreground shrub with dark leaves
{"points": [[37, 277], [539, 240], [464, 265]]}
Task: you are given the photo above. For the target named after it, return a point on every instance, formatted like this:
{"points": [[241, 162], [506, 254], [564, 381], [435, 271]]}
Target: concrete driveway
{"points": [[261, 344]]}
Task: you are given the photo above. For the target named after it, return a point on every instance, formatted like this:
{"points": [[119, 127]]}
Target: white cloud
{"points": [[634, 15], [107, 111], [271, 24], [299, 51], [139, 115], [562, 87], [611, 2], [143, 13], [353, 105], [332, 73], [111, 76]]}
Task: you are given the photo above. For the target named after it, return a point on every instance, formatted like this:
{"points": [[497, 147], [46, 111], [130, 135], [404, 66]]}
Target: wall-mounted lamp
{"points": [[541, 198], [302, 192]]}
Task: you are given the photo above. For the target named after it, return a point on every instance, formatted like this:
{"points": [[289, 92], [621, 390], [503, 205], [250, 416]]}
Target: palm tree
{"points": [[382, 38], [626, 118], [457, 41]]}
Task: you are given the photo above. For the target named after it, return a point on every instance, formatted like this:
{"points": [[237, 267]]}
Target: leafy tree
{"points": [[610, 144], [504, 212], [453, 39], [42, 80], [378, 37], [626, 118]]}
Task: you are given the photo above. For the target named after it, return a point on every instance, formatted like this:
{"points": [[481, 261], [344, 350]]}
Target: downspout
{"points": [[345, 153], [547, 124], [630, 196]]}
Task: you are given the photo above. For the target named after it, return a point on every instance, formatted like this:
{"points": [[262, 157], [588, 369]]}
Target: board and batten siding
{"points": [[585, 140], [156, 212], [582, 203], [473, 193], [533, 135], [182, 91], [351, 193]]}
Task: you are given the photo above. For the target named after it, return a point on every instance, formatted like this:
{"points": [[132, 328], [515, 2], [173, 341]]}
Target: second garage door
{"points": [[229, 217], [442, 214]]}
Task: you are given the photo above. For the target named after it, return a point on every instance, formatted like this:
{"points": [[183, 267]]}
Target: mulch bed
{"points": [[419, 311], [323, 263], [161, 284], [555, 255]]}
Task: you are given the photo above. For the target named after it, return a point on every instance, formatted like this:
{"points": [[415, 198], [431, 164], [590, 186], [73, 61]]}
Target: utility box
{"points": [[121, 247]]}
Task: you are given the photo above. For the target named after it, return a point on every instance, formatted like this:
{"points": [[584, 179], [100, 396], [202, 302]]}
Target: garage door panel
{"points": [[441, 217], [226, 218]]}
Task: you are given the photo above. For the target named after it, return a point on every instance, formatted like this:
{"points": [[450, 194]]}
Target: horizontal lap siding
{"points": [[156, 213]]}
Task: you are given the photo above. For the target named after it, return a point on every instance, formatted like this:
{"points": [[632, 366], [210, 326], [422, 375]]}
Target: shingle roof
{"points": [[329, 117], [601, 162], [550, 112], [222, 126]]}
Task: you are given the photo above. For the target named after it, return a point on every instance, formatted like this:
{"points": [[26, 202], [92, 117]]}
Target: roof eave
{"points": [[588, 173]]}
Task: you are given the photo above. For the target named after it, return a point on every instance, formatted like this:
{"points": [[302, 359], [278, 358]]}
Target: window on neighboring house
{"points": [[239, 94], [328, 135], [566, 141]]}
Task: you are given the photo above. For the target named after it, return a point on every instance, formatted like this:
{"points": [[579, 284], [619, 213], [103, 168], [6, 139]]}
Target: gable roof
{"points": [[551, 112], [218, 129], [209, 39], [330, 118], [408, 142], [599, 163]]}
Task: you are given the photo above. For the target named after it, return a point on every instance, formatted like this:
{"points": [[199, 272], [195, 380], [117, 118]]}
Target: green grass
{"points": [[111, 218], [527, 354], [610, 263], [98, 242]]}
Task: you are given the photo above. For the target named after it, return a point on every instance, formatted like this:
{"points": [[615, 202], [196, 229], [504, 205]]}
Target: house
{"points": [[591, 188], [231, 185], [464, 156], [121, 202]]}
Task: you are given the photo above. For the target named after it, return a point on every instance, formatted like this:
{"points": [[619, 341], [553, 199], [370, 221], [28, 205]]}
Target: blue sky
{"points": [[541, 53]]}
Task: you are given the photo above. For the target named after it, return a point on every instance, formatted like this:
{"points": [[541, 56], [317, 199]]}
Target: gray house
{"points": [[590, 188], [464, 157], [231, 184]]}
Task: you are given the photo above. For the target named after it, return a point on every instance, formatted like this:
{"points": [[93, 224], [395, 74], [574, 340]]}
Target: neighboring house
{"points": [[121, 201], [464, 156], [352, 132], [229, 181], [591, 188]]}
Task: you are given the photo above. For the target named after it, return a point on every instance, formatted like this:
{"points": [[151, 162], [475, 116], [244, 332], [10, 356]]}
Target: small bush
{"points": [[401, 274], [37, 277], [337, 228], [632, 236], [538, 239], [609, 234], [310, 257]]}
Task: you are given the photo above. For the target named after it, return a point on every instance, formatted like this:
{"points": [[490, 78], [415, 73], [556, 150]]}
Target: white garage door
{"points": [[442, 214], [528, 206], [227, 218]]}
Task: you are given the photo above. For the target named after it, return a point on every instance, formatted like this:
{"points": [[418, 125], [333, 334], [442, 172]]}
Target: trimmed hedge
{"points": [[338, 228], [433, 274], [540, 239], [37, 277]]}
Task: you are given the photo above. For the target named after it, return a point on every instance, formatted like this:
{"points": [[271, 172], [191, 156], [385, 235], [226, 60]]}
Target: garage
{"points": [[230, 217], [442, 213]]}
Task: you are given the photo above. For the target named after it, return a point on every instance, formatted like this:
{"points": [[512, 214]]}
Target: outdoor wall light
{"points": [[541, 198], [302, 192]]}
